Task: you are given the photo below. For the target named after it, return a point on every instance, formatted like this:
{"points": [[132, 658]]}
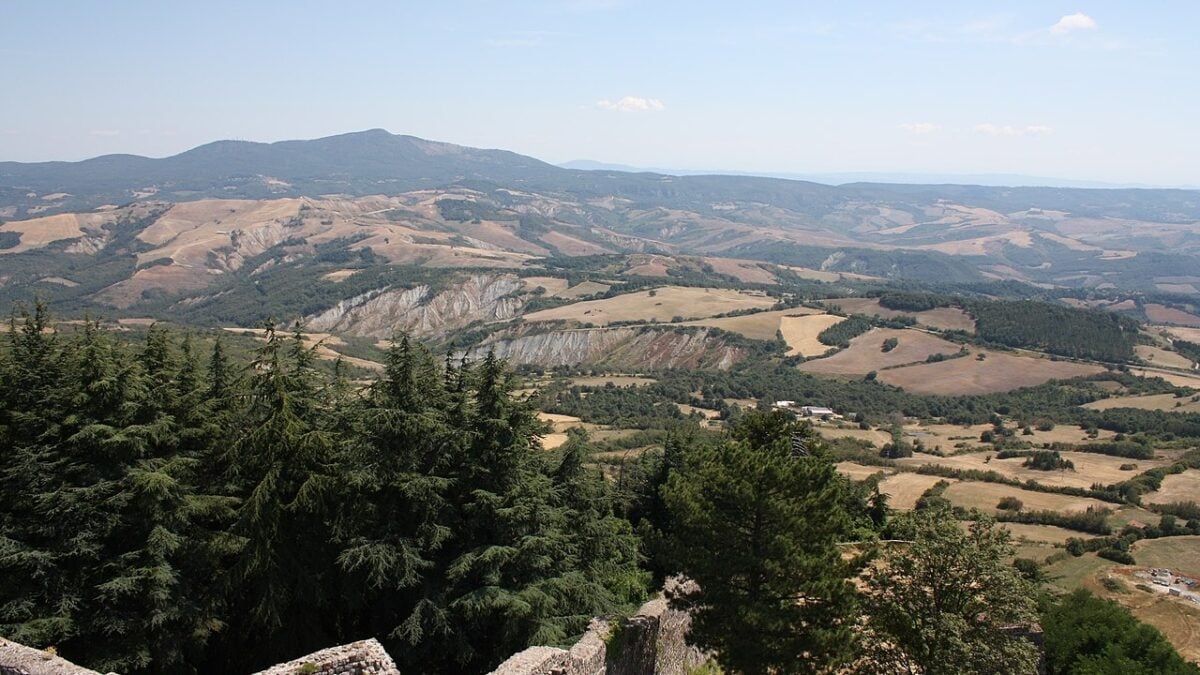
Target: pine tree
{"points": [[396, 472], [756, 529], [35, 399], [282, 469]]}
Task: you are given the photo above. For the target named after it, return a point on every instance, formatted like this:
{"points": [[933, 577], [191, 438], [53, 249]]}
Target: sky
{"points": [[1085, 89]]}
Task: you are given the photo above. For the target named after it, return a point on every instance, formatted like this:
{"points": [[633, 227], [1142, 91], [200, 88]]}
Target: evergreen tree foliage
{"points": [[755, 528], [164, 511]]}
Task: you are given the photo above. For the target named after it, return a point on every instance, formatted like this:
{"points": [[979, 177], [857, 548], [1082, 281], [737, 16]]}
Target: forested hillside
{"points": [[167, 511], [167, 507]]}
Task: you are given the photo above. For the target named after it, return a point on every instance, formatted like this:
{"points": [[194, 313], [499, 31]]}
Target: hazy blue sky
{"points": [[1085, 89]]}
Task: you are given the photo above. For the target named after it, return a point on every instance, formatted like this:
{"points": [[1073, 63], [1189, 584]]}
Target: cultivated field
{"points": [[904, 489], [747, 271], [946, 318], [758, 326], [661, 304], [1189, 334], [1164, 314], [1089, 467], [999, 372], [553, 286], [865, 352], [1047, 534], [800, 333], [615, 380], [1179, 487], [985, 496], [951, 436], [1177, 379], [39, 232], [559, 425], [1161, 357], [584, 288], [855, 471], [876, 436], [1164, 402], [1179, 554]]}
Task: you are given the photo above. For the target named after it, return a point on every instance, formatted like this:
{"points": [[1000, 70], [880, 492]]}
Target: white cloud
{"points": [[632, 104], [1073, 22], [919, 127], [106, 133], [1007, 130]]}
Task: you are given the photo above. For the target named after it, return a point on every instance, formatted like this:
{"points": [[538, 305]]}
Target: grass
{"points": [[1070, 573], [1179, 554], [1164, 402], [1180, 487], [985, 497]]}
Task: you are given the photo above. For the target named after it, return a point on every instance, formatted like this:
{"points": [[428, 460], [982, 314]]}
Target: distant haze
{"points": [[1098, 92], [995, 179]]}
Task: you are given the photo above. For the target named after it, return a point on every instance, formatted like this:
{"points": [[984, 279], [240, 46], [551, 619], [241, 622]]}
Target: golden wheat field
{"points": [[661, 304]]}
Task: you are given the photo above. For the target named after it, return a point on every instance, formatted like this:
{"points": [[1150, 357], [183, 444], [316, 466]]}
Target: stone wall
{"points": [[651, 642], [365, 657], [18, 659]]}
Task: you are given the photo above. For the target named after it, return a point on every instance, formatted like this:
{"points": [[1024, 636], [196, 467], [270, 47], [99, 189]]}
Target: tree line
{"points": [[166, 513]]}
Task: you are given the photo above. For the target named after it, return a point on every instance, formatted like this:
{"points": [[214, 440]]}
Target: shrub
{"points": [[1010, 504], [1116, 555], [1044, 460], [1030, 569]]}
